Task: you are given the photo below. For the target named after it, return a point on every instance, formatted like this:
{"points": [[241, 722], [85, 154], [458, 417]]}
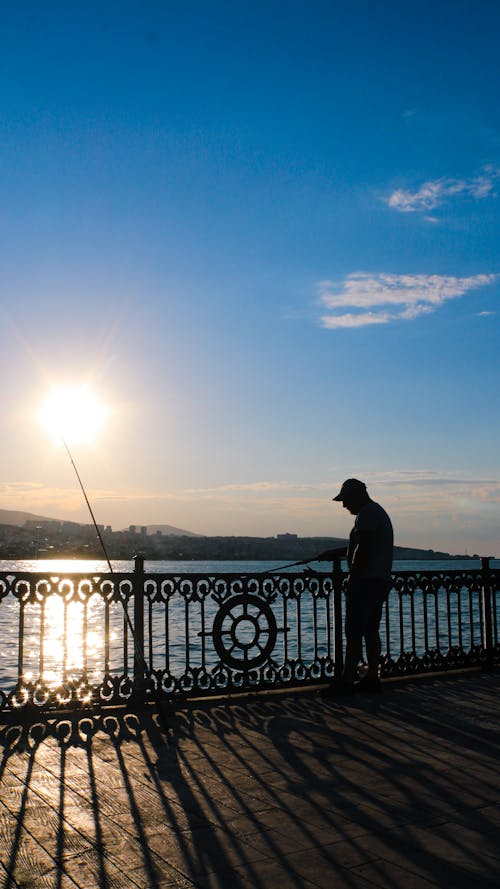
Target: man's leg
{"points": [[353, 652], [378, 595], [354, 627], [373, 647], [344, 684], [354, 644]]}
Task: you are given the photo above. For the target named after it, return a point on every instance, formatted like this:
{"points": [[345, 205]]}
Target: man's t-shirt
{"points": [[374, 527]]}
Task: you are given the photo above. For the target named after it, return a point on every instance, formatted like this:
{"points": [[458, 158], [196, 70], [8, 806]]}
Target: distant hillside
{"points": [[18, 518], [170, 531]]}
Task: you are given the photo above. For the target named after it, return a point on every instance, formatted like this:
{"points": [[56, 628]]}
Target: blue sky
{"points": [[266, 235]]}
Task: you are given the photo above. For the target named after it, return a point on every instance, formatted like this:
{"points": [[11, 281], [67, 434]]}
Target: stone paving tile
{"points": [[431, 857], [491, 816], [387, 875], [92, 869], [267, 874]]}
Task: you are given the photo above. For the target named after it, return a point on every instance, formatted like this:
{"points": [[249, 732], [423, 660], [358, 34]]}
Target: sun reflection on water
{"points": [[65, 642]]}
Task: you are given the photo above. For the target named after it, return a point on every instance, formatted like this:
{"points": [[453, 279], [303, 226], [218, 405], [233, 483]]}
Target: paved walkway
{"points": [[400, 790]]}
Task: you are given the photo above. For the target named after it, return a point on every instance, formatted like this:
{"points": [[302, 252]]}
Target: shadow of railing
{"points": [[247, 788]]}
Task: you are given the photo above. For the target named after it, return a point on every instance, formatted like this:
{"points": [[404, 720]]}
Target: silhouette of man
{"points": [[369, 558]]}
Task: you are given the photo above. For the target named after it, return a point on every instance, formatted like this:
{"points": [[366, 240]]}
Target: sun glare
{"points": [[72, 414]]}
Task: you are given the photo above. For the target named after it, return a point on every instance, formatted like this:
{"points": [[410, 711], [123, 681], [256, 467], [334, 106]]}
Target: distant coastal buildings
{"points": [[50, 538]]}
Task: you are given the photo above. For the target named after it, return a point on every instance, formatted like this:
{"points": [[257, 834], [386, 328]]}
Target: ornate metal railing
{"points": [[102, 639]]}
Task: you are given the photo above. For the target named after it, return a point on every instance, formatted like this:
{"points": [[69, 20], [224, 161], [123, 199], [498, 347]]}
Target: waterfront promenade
{"points": [[271, 791]]}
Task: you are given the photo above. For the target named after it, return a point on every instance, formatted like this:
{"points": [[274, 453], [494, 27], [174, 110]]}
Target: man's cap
{"points": [[351, 486]]}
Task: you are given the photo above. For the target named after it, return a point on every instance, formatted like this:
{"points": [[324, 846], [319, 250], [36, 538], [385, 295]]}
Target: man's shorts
{"points": [[364, 601]]}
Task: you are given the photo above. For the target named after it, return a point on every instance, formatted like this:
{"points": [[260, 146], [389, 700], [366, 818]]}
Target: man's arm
{"points": [[361, 554]]}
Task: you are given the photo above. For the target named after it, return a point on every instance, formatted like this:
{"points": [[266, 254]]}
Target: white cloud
{"points": [[350, 320], [382, 298], [435, 192]]}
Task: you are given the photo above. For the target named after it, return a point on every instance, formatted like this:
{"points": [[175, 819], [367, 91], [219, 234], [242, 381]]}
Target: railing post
{"points": [[487, 622], [338, 640], [138, 590]]}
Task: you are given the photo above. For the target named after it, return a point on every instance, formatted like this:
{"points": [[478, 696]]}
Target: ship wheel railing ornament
{"points": [[244, 632]]}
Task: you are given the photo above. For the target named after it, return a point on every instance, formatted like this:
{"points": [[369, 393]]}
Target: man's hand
{"points": [[330, 554]]}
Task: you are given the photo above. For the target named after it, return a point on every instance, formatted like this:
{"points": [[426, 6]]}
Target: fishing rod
{"points": [[137, 648], [327, 556], [290, 565], [96, 526]]}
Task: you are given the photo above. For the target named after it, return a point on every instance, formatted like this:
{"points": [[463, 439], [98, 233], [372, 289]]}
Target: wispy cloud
{"points": [[252, 487], [432, 478], [435, 192], [380, 299], [37, 498]]}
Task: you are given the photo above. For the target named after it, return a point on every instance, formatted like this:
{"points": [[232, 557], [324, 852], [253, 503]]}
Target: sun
{"points": [[72, 414]]}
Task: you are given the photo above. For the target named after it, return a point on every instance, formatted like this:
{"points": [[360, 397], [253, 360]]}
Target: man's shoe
{"points": [[338, 689], [368, 684]]}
